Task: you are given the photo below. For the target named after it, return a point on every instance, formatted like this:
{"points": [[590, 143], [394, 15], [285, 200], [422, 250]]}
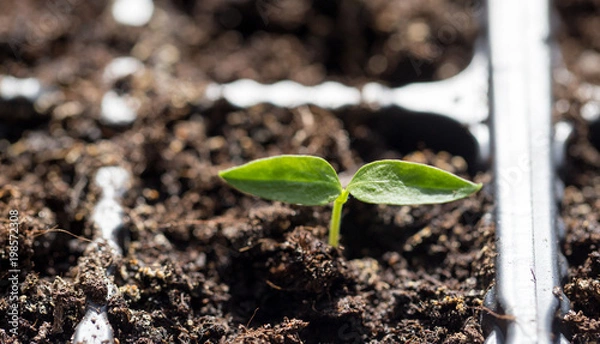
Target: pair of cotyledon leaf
{"points": [[310, 180]]}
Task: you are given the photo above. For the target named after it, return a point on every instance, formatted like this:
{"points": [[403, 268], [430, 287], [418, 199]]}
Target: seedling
{"points": [[310, 180]]}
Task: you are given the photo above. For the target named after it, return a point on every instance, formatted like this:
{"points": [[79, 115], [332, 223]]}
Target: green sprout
{"points": [[310, 180]]}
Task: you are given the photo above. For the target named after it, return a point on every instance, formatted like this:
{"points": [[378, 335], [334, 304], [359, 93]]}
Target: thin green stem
{"points": [[336, 218]]}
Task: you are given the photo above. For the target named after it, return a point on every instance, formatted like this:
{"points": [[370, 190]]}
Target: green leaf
{"points": [[405, 183], [298, 179]]}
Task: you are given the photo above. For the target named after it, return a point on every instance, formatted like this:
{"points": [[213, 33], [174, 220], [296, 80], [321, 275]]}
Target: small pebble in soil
{"points": [[133, 12], [118, 111], [11, 87], [120, 68]]}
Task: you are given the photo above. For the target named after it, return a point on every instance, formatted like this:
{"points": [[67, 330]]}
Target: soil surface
{"points": [[266, 40], [580, 46], [207, 263], [203, 262]]}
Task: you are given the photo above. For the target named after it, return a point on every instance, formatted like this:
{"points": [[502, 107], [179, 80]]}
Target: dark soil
{"points": [[206, 263], [266, 40], [580, 45]]}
